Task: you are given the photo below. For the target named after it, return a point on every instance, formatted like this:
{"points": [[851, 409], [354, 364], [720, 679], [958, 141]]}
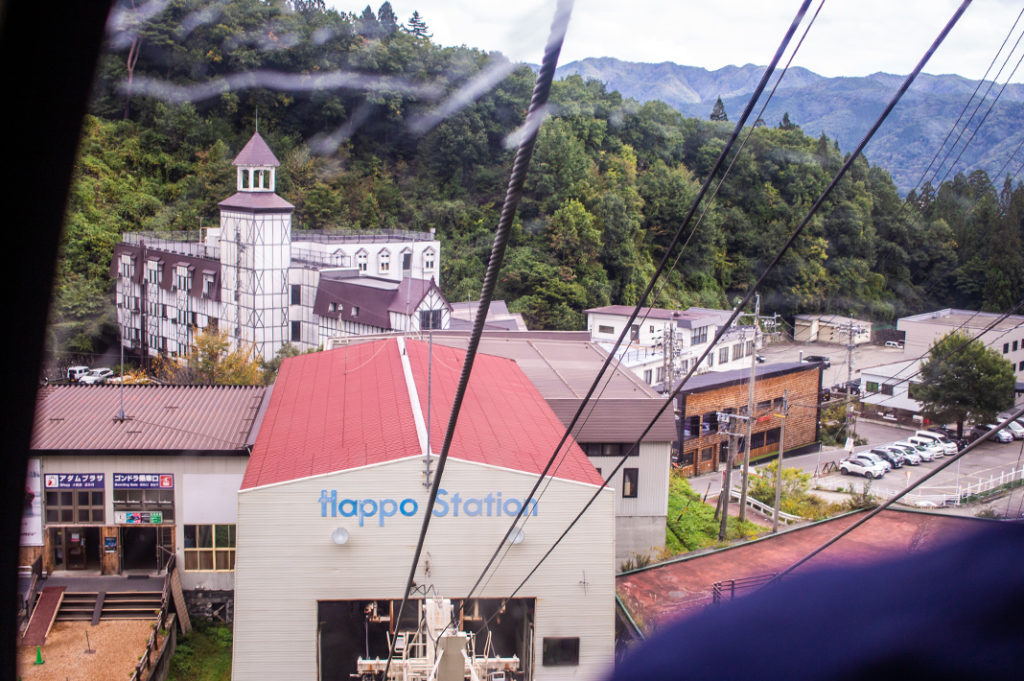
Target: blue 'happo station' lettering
{"points": [[492, 505]]}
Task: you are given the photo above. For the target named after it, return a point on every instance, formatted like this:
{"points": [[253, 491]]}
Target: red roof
{"points": [[346, 408], [256, 153]]}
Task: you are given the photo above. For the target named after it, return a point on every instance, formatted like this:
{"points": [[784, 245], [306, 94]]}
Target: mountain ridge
{"points": [[841, 107]]}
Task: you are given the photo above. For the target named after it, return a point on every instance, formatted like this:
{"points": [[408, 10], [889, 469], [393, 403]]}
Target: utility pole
{"points": [[750, 413], [782, 448], [731, 421]]}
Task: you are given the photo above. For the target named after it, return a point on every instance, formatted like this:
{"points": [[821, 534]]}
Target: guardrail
{"points": [[730, 587], [164, 620], [953, 495], [764, 508]]}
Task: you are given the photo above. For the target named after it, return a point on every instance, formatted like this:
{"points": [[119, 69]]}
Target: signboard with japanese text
{"points": [[143, 481], [73, 481], [139, 517]]}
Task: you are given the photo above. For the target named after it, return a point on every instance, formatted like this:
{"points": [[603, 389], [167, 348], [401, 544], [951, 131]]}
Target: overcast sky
{"points": [[849, 38]]}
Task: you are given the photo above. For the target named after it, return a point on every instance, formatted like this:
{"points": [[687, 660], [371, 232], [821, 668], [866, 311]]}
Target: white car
{"points": [[858, 465], [929, 449], [886, 466], [910, 453], [949, 447], [96, 376]]}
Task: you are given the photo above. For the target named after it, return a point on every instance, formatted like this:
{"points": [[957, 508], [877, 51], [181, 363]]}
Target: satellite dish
{"points": [[339, 536]]}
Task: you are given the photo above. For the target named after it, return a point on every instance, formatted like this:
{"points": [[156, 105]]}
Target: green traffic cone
{"points": [[39, 655]]}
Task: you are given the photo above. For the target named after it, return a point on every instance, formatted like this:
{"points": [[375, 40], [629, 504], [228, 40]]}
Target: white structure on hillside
{"points": [[662, 338], [267, 285], [1005, 335], [830, 328]]}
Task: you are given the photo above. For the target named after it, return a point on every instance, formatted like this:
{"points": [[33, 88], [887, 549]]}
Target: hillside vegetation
{"points": [[610, 182]]}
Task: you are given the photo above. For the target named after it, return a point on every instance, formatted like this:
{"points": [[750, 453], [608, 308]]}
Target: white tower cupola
{"points": [[256, 164]]}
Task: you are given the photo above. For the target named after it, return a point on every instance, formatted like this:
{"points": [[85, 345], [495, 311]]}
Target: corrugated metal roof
{"points": [[720, 379], [157, 418], [350, 407], [564, 369], [256, 153]]}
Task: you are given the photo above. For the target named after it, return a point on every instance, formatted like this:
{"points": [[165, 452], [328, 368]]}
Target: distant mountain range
{"points": [[843, 108]]}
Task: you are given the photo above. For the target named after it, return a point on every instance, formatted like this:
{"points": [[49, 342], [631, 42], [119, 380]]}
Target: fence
{"points": [[765, 509], [953, 495], [727, 589], [165, 621]]}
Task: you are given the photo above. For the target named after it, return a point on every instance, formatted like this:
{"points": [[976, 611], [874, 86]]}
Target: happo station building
{"points": [[332, 502]]}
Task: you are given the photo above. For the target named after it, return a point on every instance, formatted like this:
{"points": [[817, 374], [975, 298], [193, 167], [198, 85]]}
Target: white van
{"points": [[75, 373], [948, 446]]}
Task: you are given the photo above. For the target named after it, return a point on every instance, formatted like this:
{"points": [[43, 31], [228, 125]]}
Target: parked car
{"points": [[1016, 429], [910, 454], [989, 431], [822, 359], [893, 456], [858, 465], [949, 443], [894, 344], [926, 449], [95, 376], [75, 373], [870, 456]]}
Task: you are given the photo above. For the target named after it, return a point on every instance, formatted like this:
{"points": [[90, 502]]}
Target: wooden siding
{"points": [[286, 562], [801, 429]]}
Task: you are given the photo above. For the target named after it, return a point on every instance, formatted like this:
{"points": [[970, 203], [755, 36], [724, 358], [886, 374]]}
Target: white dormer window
{"points": [[428, 259], [126, 266], [384, 262], [361, 258]]}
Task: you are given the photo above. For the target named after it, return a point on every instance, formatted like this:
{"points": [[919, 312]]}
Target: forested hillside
{"points": [[370, 133]]}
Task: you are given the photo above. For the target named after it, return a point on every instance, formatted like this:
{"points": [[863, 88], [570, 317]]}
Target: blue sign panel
{"points": [[73, 481], [143, 481]]}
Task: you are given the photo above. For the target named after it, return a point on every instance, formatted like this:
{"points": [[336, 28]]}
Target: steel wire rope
{"points": [[899, 495], [505, 547], [1009, 497], [654, 279], [920, 180], [750, 293], [987, 112], [521, 164]]}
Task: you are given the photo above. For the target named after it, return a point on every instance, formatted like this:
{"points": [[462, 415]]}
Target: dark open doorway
{"points": [[348, 630], [139, 548]]}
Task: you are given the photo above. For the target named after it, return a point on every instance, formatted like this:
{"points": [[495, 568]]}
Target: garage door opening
{"points": [[349, 630]]}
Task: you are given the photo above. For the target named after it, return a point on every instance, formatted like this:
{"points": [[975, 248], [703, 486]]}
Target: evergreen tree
{"points": [[387, 18], [368, 25], [417, 26], [787, 124], [718, 111]]}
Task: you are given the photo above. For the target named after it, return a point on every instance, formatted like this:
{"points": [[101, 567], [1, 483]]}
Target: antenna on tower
{"points": [[257, 120]]}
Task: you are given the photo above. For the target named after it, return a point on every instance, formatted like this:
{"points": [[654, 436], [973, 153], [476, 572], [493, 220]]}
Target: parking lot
{"points": [[863, 356]]}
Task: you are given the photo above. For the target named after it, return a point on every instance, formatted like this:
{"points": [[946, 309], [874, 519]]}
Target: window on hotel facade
{"points": [[691, 427], [430, 319], [384, 262], [871, 386], [207, 285], [1006, 348], [561, 652], [296, 294], [74, 506], [608, 448], [699, 335], [428, 259], [361, 261], [630, 478], [153, 273], [296, 332], [209, 547], [602, 328], [723, 355]]}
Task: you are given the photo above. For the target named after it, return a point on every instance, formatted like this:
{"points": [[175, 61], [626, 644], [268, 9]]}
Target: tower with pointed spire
{"points": [[255, 243]]}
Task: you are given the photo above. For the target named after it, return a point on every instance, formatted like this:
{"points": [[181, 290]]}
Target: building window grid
{"points": [[630, 480], [384, 262], [74, 506], [209, 548], [699, 335], [723, 355]]}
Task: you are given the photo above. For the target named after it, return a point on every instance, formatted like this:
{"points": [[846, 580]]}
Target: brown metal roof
{"points": [[163, 418], [256, 153], [563, 369]]}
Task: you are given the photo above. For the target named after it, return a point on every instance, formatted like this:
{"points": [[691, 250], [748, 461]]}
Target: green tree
{"points": [[387, 18], [718, 111], [418, 27], [963, 380], [211, 361]]}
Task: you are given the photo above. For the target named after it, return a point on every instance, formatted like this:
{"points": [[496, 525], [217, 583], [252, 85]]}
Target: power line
{"points": [[750, 293], [647, 291], [967, 104], [541, 92]]}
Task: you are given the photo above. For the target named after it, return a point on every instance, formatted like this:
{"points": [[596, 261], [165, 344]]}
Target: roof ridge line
{"points": [[414, 397]]}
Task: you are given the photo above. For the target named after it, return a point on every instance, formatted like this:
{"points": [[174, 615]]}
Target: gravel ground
{"points": [[118, 644]]}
